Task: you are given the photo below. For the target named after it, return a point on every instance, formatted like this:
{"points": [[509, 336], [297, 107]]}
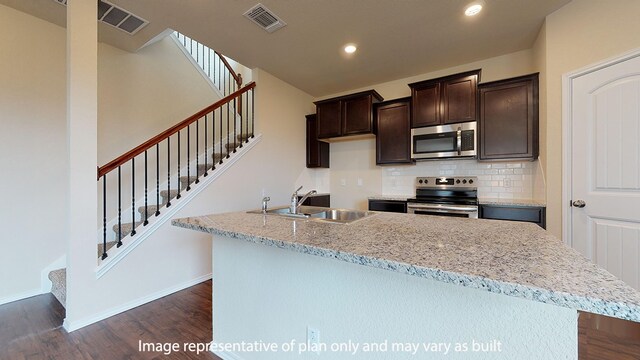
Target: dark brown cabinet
{"points": [[346, 115], [447, 100], [534, 214], [397, 206], [392, 119], [323, 200], [317, 151], [508, 125]]}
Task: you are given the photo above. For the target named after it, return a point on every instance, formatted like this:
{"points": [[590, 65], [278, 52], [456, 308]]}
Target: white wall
{"points": [[33, 152], [173, 258], [353, 160], [273, 295]]}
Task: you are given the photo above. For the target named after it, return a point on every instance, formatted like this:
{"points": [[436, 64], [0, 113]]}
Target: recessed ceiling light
{"points": [[473, 9], [350, 49]]}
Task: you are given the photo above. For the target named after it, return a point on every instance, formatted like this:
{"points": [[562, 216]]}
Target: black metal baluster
{"points": [[228, 130], [179, 182], [168, 171], [253, 114], [104, 216], [221, 152], [133, 196], [157, 179], [213, 138], [197, 146], [146, 192], [189, 158], [119, 207], [246, 113], [241, 132], [235, 128], [206, 149]]}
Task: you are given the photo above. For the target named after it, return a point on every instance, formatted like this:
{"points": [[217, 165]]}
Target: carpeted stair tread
{"points": [[59, 285], [126, 228], [168, 194], [151, 210], [110, 244]]}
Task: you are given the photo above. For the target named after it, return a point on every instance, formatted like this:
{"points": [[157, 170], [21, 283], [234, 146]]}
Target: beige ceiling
{"points": [[395, 38]]}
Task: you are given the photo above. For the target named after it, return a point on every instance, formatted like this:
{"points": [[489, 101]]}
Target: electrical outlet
{"points": [[313, 340], [343, 182], [507, 182], [360, 182]]}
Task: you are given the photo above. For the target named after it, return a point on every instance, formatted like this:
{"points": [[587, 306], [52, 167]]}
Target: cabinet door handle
{"points": [[579, 204], [459, 135]]}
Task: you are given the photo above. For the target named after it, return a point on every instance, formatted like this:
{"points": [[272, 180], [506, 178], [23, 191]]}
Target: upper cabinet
{"points": [[446, 100], [508, 126], [317, 151], [346, 115], [393, 139]]}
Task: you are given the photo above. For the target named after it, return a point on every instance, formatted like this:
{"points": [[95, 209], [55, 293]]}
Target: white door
{"points": [[605, 168]]}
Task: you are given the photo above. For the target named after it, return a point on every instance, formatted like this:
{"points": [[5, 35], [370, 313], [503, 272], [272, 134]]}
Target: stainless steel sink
{"points": [[343, 216]]}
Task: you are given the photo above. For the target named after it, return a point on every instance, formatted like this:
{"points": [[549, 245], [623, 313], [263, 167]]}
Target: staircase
{"points": [[155, 179]]}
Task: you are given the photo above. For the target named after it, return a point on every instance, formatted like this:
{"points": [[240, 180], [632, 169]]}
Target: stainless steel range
{"points": [[445, 196]]}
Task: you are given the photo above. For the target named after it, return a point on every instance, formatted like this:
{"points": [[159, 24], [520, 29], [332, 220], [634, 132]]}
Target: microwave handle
{"points": [[459, 135]]}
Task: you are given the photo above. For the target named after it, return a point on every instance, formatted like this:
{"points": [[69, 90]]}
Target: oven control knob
{"points": [[420, 181], [470, 181], [426, 181], [464, 181], [458, 181]]}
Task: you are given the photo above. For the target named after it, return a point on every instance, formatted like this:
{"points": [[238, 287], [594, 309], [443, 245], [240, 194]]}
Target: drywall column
{"points": [[82, 125]]}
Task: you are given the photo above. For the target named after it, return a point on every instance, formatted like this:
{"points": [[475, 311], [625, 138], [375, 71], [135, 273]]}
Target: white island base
{"points": [[267, 297]]}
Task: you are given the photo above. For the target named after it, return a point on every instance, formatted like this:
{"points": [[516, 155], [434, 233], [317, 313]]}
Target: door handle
{"points": [[459, 140], [579, 203]]}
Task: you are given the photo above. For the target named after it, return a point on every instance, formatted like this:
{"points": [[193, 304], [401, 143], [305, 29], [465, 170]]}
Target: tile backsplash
{"points": [[508, 180]]}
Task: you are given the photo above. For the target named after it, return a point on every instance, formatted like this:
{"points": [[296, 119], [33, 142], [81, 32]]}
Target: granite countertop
{"points": [[481, 201], [511, 258]]}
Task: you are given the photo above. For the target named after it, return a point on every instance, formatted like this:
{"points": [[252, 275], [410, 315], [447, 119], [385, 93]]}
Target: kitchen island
{"points": [[508, 290]]}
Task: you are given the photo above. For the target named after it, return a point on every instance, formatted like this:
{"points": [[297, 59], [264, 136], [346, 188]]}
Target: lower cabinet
{"points": [[323, 200], [534, 214], [397, 206]]}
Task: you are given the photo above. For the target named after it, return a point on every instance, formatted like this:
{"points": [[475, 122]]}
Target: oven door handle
{"points": [[443, 207], [459, 136]]}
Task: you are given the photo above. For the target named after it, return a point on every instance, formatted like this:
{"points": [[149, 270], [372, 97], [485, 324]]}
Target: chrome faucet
{"points": [[265, 201], [295, 204]]}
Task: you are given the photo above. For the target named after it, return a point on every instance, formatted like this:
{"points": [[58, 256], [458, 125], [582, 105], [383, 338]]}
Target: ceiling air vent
{"points": [[117, 17], [264, 18]]}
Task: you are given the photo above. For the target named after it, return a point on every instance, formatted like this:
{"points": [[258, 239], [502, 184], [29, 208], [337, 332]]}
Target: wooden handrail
{"points": [[236, 77], [124, 158]]}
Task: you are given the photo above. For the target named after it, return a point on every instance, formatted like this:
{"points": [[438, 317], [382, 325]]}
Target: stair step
{"points": [[110, 244], [59, 285], [168, 194], [151, 210], [126, 228]]}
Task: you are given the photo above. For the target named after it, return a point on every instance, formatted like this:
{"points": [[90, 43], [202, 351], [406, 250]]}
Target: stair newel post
{"points": [[157, 179], [179, 183], [119, 206], [104, 217], [235, 130], [133, 196], [168, 171], [146, 191], [189, 158], [206, 149]]}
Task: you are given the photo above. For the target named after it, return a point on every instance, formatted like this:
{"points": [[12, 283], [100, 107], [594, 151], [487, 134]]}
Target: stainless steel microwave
{"points": [[444, 141]]}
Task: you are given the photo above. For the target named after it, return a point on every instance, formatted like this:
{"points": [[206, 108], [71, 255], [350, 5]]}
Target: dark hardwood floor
{"points": [[32, 329]]}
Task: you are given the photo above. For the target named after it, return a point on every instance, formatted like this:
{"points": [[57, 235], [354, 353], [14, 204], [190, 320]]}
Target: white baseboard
{"points": [[78, 324], [21, 296]]}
